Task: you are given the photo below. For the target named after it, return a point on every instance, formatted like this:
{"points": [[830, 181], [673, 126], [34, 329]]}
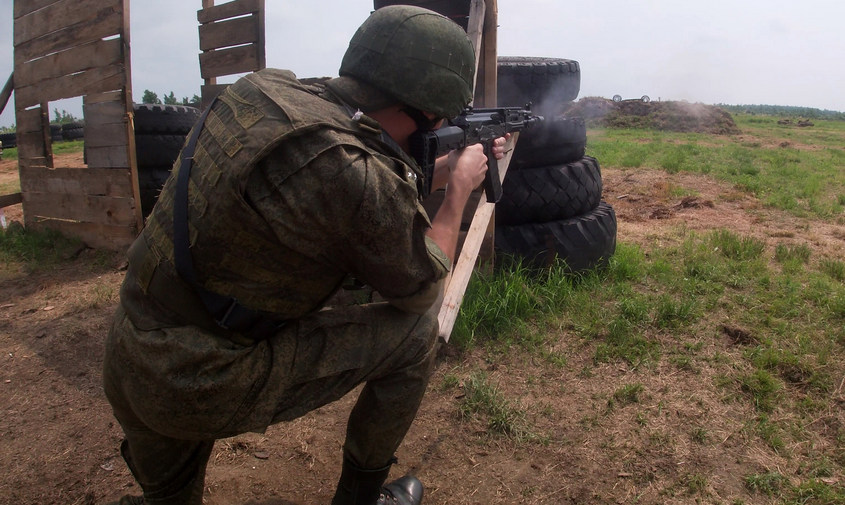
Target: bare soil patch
{"points": [[60, 442]]}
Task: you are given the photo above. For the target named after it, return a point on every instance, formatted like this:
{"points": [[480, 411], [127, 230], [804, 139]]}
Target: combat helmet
{"points": [[415, 55]]}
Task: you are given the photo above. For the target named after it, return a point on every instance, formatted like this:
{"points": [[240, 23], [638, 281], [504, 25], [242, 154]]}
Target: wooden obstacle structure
{"points": [[66, 49]]}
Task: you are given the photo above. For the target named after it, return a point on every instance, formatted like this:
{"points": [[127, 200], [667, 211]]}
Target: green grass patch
{"points": [[484, 400], [793, 169], [35, 250]]}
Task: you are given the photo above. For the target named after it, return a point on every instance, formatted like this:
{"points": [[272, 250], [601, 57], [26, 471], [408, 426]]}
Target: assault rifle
{"points": [[473, 126]]}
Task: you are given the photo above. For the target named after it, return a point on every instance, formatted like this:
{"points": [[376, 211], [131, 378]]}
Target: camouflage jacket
{"points": [[288, 196]]}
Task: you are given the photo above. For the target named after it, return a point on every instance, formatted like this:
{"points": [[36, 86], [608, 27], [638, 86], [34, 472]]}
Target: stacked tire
{"points": [[551, 207], [74, 130], [160, 132]]}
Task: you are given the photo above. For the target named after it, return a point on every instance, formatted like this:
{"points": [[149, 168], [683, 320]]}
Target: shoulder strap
{"points": [[225, 310]]}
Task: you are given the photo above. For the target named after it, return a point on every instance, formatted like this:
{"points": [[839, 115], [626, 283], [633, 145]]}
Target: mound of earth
{"points": [[666, 116]]}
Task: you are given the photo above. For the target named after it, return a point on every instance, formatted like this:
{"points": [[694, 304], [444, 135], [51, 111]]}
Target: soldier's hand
{"points": [[499, 146], [469, 168]]}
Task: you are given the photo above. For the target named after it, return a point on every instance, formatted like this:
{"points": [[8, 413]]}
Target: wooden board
{"points": [[99, 79], [96, 235], [229, 10], [91, 30], [30, 137], [13, 199], [76, 181], [478, 232], [91, 204], [71, 61], [233, 32], [64, 14], [24, 8], [229, 61]]}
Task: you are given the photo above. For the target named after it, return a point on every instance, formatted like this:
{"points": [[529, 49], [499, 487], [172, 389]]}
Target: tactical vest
{"points": [[234, 250]]}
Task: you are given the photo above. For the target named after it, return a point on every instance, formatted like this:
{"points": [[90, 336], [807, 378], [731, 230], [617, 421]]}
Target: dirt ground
{"points": [[60, 443]]}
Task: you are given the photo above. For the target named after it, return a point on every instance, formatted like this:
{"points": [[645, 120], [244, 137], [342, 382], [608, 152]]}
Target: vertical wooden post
{"points": [[129, 118], [46, 135], [210, 80], [479, 238]]}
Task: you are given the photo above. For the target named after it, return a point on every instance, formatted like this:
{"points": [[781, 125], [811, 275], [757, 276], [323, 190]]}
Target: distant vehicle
{"points": [[644, 98]]}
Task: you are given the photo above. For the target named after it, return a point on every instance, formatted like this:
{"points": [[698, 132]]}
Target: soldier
{"points": [[284, 191]]}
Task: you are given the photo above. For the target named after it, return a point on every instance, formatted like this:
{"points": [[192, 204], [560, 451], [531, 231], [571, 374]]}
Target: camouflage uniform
{"points": [[288, 196]]}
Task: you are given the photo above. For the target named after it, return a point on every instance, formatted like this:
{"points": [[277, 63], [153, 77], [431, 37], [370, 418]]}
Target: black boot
{"points": [[359, 486], [407, 490]]}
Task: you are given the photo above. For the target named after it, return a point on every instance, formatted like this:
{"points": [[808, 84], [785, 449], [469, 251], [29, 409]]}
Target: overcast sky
{"points": [[714, 51]]}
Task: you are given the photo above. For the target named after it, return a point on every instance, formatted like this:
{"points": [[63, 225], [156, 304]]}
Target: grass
{"points": [[484, 400], [794, 169], [761, 322]]}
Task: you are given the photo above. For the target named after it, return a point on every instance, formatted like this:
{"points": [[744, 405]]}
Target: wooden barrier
{"points": [[66, 49], [231, 40]]}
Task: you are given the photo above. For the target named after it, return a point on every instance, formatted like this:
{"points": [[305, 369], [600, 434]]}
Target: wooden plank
{"points": [[24, 7], [13, 199], [106, 135], [229, 61], [28, 120], [61, 14], [229, 10], [109, 109], [486, 81], [114, 211], [101, 79], [233, 32], [76, 181], [31, 162], [30, 137], [260, 43], [105, 123], [99, 236], [108, 157], [85, 57], [7, 91], [475, 30], [80, 33], [458, 280], [47, 133]]}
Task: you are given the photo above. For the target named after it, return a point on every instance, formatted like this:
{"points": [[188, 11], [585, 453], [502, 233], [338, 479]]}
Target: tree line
{"points": [[169, 99], [785, 110]]}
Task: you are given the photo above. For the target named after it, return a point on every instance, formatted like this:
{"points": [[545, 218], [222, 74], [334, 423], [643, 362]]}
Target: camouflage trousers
{"points": [[176, 390]]}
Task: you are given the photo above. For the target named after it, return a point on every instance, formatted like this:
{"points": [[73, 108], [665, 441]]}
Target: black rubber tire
{"points": [[547, 83], [56, 132], [158, 150], [166, 119], [9, 140], [552, 193], [150, 182], [73, 131], [584, 242], [556, 140]]}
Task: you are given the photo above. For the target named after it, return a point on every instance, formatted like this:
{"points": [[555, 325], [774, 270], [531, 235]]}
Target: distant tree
{"points": [[150, 97], [63, 117], [193, 102], [170, 99]]}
